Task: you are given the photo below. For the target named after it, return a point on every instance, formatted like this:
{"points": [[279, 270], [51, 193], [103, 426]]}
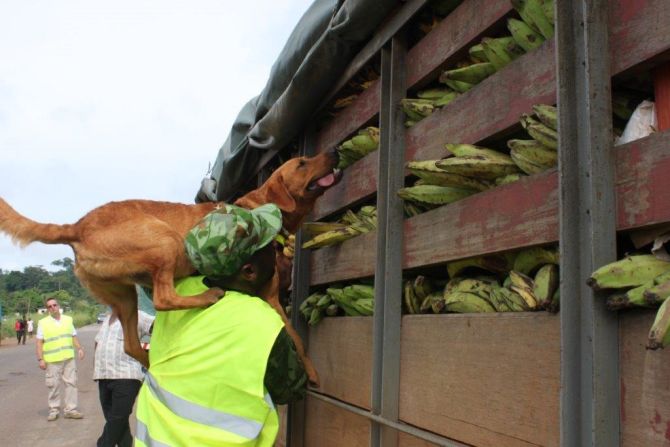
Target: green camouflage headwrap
{"points": [[227, 237]]}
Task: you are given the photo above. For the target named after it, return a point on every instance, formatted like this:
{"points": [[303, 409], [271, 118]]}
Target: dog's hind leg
{"points": [[271, 295]]}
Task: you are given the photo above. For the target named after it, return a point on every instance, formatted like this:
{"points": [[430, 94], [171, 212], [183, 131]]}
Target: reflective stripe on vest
{"points": [[245, 428], [58, 344], [205, 384]]}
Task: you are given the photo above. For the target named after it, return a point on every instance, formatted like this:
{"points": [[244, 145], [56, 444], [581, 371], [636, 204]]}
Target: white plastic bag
{"points": [[641, 123]]}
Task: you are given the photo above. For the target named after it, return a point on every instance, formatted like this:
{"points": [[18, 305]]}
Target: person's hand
{"points": [[43, 364], [80, 353]]}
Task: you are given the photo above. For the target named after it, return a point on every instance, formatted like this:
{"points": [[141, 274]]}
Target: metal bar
{"points": [[388, 272], [395, 425], [589, 332], [301, 278], [374, 45]]}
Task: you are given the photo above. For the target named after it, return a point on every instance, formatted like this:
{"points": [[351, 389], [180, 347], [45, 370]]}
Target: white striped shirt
{"points": [[110, 360]]}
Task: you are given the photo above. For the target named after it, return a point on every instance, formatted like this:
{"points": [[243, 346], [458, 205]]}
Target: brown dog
{"points": [[121, 244]]}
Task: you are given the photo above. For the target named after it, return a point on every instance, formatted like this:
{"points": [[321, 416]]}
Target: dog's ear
{"points": [[278, 194]]}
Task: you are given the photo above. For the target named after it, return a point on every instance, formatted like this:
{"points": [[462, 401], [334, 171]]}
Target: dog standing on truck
{"points": [[121, 244]]}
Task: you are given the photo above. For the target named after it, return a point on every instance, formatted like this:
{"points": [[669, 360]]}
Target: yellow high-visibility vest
{"points": [[58, 345], [205, 383]]}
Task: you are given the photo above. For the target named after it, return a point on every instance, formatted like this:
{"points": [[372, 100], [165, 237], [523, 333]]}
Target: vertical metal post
{"points": [[388, 272], [301, 278], [589, 332]]}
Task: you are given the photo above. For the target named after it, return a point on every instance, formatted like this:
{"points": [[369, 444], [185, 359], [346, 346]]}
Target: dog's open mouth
{"points": [[325, 182]]}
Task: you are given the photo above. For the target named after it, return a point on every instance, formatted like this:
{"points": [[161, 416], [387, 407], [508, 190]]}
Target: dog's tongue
{"points": [[326, 181]]}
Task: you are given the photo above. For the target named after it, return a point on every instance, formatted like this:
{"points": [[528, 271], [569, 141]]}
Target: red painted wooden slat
{"points": [[520, 214]]}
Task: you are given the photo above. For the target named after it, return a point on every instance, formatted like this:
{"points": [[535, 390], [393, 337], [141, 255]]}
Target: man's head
{"points": [[233, 245], [52, 307]]}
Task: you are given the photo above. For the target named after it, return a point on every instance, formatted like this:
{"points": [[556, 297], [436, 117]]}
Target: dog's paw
{"points": [[213, 295]]}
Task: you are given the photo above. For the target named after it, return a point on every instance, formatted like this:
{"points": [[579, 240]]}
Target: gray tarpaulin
{"points": [[318, 50]]}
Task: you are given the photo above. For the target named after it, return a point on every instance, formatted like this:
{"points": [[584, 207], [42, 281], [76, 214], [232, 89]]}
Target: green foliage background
{"points": [[24, 292]]}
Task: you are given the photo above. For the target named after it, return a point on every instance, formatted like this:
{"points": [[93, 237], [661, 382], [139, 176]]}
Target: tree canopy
{"points": [[25, 291]]}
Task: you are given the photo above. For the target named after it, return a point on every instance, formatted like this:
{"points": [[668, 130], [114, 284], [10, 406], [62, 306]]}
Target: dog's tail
{"points": [[23, 231]]}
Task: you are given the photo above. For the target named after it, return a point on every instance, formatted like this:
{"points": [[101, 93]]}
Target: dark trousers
{"points": [[21, 335], [117, 397]]}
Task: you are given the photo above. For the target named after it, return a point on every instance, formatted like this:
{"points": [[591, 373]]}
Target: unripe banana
{"points": [[477, 53], [463, 302], [497, 263], [659, 335], [525, 164], [542, 133], [513, 300], [422, 287], [314, 228], [459, 86], [659, 292], [411, 302], [524, 35], [500, 51], [477, 167], [537, 13], [632, 271], [446, 99], [528, 260], [548, 115], [546, 283], [534, 151], [631, 298], [435, 195], [472, 74], [315, 317], [432, 175], [332, 310], [343, 301], [506, 179], [331, 238], [523, 285], [470, 150], [433, 93]]}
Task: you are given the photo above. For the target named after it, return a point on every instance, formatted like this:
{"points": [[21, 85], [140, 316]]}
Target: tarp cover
{"points": [[318, 50]]}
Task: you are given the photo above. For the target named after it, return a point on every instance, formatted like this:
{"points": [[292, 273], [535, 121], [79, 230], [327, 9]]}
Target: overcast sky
{"points": [[124, 99]]}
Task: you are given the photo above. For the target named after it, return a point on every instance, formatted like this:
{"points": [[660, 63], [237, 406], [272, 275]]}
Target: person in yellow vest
{"points": [[56, 344], [217, 373]]}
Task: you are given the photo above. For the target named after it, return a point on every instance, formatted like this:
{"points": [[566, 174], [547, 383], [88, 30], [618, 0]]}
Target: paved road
{"points": [[23, 399]]}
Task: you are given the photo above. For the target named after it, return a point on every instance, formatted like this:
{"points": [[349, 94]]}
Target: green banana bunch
{"points": [[632, 271], [534, 152], [332, 237], [432, 175], [315, 228], [506, 179], [438, 96], [631, 298], [660, 291], [513, 300], [548, 115], [333, 310], [477, 53], [356, 299], [417, 109], [412, 303], [501, 51], [498, 301], [472, 74], [470, 150], [535, 15], [480, 167], [529, 260], [433, 302], [546, 283], [464, 302], [458, 86], [524, 286], [659, 335], [526, 164], [431, 194], [498, 263], [548, 9], [412, 209], [540, 132], [524, 35], [358, 146]]}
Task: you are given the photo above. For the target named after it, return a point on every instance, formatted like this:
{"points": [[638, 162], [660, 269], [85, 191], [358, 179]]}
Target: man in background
{"points": [[119, 378], [56, 343]]}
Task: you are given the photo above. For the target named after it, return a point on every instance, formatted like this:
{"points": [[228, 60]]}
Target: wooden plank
{"points": [[436, 51], [662, 96], [639, 30], [352, 259], [405, 440], [492, 107], [643, 183], [350, 119], [341, 349], [645, 384], [483, 379], [329, 426]]}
